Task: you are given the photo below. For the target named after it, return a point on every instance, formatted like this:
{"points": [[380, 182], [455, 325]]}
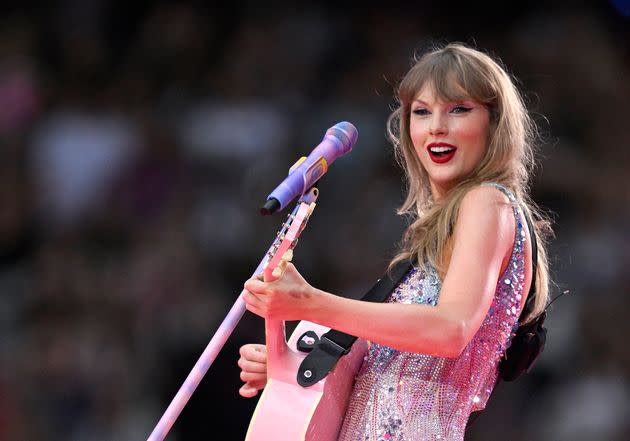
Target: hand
{"points": [[253, 364], [287, 298]]}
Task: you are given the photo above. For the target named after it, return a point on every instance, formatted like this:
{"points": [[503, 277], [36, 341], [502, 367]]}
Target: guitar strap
{"points": [[325, 352], [332, 345]]}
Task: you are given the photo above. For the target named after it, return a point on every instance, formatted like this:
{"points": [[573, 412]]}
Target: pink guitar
{"points": [[287, 411]]}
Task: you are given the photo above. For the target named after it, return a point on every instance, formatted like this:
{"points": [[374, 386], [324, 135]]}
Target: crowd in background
{"points": [[138, 142]]}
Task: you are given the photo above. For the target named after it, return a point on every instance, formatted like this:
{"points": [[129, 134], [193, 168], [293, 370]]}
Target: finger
{"points": [[256, 286], [252, 350], [252, 366], [248, 391], [253, 299], [258, 311], [247, 364], [251, 377]]}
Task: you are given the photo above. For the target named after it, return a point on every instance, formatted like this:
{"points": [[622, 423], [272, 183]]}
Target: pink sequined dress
{"points": [[414, 397]]}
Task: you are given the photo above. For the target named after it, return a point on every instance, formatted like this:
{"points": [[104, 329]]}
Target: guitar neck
{"points": [[277, 347], [282, 362]]}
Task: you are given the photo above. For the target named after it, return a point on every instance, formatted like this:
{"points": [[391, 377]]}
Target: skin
{"points": [[463, 124], [481, 246]]}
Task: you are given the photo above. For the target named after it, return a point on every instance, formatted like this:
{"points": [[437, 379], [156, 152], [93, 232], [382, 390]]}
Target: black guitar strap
{"points": [[529, 303], [324, 354]]}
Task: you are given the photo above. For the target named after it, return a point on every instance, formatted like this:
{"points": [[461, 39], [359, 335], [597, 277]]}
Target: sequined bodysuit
{"points": [[414, 397]]}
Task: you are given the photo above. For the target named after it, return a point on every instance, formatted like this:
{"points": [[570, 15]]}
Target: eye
{"points": [[461, 109], [420, 111]]}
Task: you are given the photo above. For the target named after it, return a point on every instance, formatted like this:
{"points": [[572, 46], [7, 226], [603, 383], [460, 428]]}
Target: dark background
{"points": [[139, 139]]}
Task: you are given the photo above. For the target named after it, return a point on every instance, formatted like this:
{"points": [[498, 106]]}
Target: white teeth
{"points": [[441, 149]]}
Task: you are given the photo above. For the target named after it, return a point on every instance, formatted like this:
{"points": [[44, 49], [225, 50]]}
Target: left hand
{"points": [[289, 297]]}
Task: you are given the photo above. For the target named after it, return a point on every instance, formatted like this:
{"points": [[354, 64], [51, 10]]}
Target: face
{"points": [[450, 138]]}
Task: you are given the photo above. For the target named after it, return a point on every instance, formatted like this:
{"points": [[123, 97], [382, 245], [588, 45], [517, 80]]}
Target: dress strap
{"points": [[503, 189]]}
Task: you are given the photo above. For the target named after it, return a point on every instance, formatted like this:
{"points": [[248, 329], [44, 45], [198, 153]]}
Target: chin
{"points": [[445, 181]]}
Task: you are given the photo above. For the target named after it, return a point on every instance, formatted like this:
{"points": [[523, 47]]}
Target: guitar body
{"points": [[287, 411]]}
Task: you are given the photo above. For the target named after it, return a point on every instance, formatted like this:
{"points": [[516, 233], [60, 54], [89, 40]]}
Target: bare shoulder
{"points": [[484, 197], [487, 211]]}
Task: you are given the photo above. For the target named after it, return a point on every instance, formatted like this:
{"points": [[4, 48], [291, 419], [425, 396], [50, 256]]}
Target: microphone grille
{"points": [[346, 133]]}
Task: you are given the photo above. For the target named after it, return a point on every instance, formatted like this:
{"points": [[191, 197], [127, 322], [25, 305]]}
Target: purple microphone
{"points": [[338, 141]]}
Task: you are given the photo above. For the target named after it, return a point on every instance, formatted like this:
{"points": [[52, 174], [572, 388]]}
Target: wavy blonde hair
{"points": [[456, 72]]}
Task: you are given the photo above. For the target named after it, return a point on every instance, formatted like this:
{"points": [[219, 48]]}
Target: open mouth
{"points": [[441, 153]]}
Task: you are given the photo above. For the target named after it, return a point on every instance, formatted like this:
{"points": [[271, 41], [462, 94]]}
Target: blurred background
{"points": [[139, 139]]}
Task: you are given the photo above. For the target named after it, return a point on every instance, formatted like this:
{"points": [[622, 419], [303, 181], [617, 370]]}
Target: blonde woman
{"points": [[464, 139]]}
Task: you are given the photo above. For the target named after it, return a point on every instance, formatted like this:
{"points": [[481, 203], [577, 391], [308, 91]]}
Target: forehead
{"points": [[443, 91]]}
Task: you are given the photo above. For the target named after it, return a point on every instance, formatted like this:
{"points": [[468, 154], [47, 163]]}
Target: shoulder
{"points": [[484, 197], [486, 210]]}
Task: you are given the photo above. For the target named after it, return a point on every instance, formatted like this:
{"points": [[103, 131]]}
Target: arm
{"points": [[482, 240]]}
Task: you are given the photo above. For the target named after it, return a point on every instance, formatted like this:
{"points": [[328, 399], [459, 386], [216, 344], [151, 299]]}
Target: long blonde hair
{"points": [[458, 72]]}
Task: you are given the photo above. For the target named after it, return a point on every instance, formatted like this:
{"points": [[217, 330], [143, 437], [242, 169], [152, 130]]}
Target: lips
{"points": [[441, 152]]}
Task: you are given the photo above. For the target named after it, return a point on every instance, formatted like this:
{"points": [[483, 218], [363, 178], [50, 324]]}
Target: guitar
{"points": [[287, 411]]}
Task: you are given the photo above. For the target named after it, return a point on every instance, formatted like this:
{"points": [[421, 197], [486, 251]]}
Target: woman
{"points": [[464, 138]]}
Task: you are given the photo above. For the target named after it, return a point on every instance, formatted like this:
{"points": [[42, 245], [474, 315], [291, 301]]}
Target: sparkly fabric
{"points": [[414, 397]]}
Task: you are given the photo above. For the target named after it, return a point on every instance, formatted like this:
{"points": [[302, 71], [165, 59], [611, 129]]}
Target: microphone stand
{"points": [[220, 337]]}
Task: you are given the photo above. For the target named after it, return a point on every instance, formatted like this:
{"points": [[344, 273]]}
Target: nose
{"points": [[439, 125]]}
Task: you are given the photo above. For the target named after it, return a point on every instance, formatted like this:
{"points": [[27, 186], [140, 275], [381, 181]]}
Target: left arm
{"points": [[483, 237]]}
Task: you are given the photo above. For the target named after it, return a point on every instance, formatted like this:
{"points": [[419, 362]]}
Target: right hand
{"points": [[253, 364]]}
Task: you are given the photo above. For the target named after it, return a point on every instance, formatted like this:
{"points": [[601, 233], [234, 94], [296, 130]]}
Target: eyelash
{"points": [[463, 109], [460, 109]]}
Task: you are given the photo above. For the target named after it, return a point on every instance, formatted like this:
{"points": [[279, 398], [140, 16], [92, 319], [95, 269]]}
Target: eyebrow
{"points": [[460, 101]]}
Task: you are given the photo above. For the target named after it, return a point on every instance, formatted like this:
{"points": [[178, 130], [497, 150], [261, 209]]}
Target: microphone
{"points": [[338, 141]]}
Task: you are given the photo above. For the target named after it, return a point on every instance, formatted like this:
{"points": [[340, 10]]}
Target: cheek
{"points": [[471, 132], [418, 139], [475, 136], [418, 134]]}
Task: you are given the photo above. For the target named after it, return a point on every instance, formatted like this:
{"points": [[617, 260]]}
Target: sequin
{"points": [[402, 396]]}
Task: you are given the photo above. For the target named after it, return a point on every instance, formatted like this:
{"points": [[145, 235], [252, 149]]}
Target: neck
{"points": [[438, 192]]}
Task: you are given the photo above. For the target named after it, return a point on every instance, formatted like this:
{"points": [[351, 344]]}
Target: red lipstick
{"points": [[441, 152]]}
